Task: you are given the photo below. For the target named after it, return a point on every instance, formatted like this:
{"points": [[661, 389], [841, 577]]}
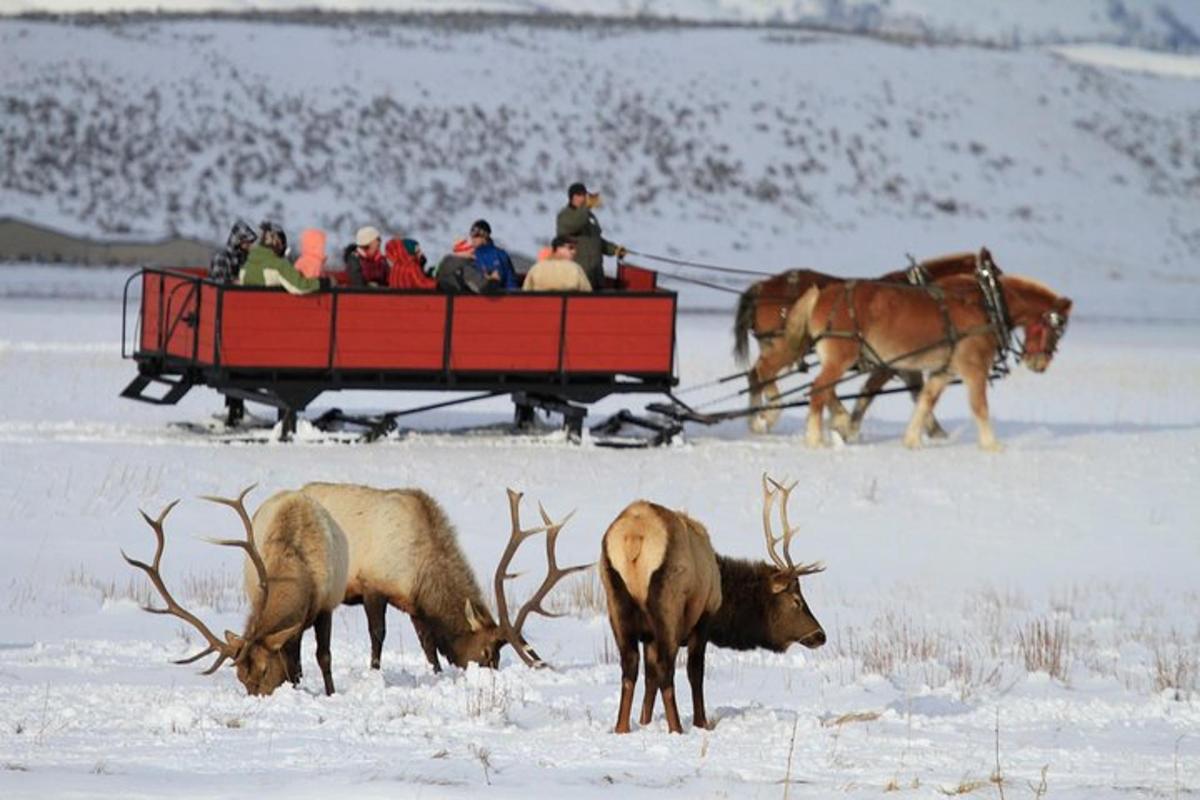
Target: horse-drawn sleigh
{"points": [[950, 319]]}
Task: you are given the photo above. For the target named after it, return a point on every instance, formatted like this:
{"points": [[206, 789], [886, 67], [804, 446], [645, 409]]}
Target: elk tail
{"points": [[636, 547], [743, 322]]}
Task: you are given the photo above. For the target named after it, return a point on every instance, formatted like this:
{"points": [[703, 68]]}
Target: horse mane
{"points": [[1025, 284]]}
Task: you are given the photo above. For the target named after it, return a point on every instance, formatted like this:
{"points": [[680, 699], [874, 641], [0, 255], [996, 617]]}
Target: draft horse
{"points": [[763, 308], [945, 330]]}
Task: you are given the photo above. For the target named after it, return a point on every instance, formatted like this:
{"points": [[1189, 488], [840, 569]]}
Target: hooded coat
{"points": [[405, 272]]}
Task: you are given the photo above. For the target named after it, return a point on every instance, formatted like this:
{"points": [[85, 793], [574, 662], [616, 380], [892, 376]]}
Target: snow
{"points": [[757, 148], [941, 562], [1173, 24], [1029, 613]]}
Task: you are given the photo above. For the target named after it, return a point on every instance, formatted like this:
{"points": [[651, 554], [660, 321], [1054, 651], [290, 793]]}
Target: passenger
{"points": [[266, 266], [560, 272], [366, 264], [577, 221], [457, 272], [493, 262], [407, 266], [227, 263], [311, 263]]}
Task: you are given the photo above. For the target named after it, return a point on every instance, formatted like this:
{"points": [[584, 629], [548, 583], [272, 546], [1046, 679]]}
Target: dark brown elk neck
{"points": [[743, 620]]}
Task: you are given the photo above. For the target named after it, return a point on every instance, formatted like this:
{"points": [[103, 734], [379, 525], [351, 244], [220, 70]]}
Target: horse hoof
{"points": [[937, 433], [991, 447], [912, 442], [759, 424], [815, 442]]}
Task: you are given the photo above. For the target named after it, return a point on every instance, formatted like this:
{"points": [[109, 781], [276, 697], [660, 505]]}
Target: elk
{"points": [[295, 576], [404, 552], [666, 587]]}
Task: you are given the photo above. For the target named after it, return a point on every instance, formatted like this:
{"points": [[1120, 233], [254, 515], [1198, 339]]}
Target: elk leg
{"points": [[376, 608], [428, 644], [695, 668], [291, 655], [666, 682], [323, 627], [651, 689], [875, 382], [925, 403], [627, 646], [914, 381]]}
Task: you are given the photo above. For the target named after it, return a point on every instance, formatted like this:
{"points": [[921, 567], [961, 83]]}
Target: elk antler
{"points": [[785, 562], [554, 574], [215, 645], [248, 544]]}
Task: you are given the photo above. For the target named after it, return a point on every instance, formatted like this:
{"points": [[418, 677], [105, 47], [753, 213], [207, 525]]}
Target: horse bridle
{"points": [[1045, 331]]}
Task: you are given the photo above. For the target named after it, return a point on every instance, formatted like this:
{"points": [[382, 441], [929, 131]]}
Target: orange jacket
{"points": [[311, 263]]}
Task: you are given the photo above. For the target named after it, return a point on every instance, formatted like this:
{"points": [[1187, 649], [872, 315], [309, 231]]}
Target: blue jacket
{"points": [[490, 258]]}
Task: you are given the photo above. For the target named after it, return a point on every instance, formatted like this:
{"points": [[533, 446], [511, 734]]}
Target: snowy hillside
{"points": [[750, 147], [1167, 24]]}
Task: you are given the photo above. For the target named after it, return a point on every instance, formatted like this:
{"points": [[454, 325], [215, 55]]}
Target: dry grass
{"points": [[853, 716], [1045, 646], [218, 591], [1176, 667], [581, 595]]}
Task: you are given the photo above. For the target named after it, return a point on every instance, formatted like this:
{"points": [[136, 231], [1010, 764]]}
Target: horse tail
{"points": [[796, 325], [743, 322]]}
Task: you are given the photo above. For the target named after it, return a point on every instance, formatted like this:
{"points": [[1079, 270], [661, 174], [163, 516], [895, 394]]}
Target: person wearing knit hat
{"points": [[577, 220], [311, 263], [492, 261], [365, 262]]}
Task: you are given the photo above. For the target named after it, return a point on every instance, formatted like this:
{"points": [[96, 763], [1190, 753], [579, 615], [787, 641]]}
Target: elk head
{"points": [[257, 654], [490, 640], [791, 620]]}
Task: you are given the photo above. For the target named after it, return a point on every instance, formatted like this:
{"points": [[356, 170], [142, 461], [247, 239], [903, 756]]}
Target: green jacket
{"points": [[591, 247], [264, 268]]}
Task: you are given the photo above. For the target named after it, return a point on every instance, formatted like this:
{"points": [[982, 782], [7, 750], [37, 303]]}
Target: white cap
{"points": [[366, 235]]}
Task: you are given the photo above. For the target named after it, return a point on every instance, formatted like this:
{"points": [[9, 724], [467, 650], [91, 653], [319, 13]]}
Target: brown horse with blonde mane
{"points": [[943, 330], [763, 308]]}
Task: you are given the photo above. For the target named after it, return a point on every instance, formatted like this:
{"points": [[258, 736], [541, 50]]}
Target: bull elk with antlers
{"points": [[666, 587], [295, 576], [404, 553]]}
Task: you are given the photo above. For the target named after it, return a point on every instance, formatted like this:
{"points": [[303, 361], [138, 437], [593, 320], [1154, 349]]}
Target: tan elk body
{"points": [[404, 552], [666, 587], [295, 576]]}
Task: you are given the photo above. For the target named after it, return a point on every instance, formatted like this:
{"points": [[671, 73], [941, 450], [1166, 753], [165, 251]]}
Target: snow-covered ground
{"points": [[1031, 611]]}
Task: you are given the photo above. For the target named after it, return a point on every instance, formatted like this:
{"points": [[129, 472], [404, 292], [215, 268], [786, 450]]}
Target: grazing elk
{"points": [[295, 576], [404, 553], [666, 587]]}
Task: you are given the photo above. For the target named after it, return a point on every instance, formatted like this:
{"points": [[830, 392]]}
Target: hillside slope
{"points": [[746, 146]]}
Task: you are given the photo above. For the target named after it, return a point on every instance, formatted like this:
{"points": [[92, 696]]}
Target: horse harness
{"points": [[995, 307]]}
